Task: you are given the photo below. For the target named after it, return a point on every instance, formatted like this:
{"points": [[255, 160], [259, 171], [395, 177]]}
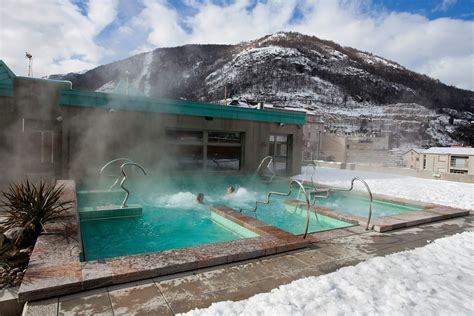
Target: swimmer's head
{"points": [[200, 198]]}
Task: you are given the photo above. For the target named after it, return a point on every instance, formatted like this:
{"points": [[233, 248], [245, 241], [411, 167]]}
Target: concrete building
{"points": [[354, 149], [457, 160], [50, 130], [312, 131], [411, 159]]}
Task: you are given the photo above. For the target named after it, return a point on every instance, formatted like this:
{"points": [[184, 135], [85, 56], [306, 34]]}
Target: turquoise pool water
{"points": [[358, 205], [156, 230], [172, 219]]}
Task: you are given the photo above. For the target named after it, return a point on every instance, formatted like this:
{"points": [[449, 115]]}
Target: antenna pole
{"points": [[30, 64], [127, 72], [225, 95]]}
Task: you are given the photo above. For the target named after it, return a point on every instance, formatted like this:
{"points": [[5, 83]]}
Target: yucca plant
{"points": [[29, 207]]}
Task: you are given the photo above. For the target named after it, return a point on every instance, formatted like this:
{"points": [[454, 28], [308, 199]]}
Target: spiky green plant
{"points": [[29, 207]]}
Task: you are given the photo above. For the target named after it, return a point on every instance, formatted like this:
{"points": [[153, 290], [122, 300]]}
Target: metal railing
{"points": [[127, 192], [290, 190], [314, 194], [270, 160], [312, 178], [117, 177]]}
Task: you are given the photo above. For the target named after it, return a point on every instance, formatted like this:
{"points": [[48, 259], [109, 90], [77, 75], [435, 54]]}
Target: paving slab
{"points": [[139, 300], [48, 307], [312, 257], [95, 302], [182, 288], [303, 273]]}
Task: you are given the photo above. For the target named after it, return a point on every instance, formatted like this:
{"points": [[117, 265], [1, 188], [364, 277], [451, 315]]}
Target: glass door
{"points": [[279, 148]]}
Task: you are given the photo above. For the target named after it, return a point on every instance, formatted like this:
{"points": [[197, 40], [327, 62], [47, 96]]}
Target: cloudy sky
{"points": [[434, 37]]}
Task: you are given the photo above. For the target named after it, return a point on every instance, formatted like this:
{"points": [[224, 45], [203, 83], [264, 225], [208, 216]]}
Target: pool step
{"points": [[109, 211], [99, 197]]}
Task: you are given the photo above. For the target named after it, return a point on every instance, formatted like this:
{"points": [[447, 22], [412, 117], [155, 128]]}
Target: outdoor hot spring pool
{"points": [[171, 218]]}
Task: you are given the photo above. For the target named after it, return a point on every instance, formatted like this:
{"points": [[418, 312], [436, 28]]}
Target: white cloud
{"points": [[60, 38], [162, 23], [444, 5]]}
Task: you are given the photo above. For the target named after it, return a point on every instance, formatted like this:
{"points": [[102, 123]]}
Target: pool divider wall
{"points": [[55, 267]]}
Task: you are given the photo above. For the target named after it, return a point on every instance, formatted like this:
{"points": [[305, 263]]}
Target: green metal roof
{"points": [[82, 98], [6, 80]]}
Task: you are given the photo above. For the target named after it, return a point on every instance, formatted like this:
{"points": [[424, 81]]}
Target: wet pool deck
{"points": [[179, 293]]}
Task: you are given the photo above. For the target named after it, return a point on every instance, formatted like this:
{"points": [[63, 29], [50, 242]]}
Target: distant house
{"points": [[442, 160], [411, 158]]}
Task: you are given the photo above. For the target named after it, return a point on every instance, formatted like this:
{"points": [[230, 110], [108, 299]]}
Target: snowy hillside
{"points": [[290, 69]]}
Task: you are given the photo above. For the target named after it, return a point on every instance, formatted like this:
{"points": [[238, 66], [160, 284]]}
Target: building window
{"points": [[200, 149], [424, 161], [458, 171], [459, 162], [224, 151]]}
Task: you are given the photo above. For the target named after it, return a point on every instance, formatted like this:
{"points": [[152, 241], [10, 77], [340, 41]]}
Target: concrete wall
{"points": [[354, 149], [29, 122], [333, 147]]}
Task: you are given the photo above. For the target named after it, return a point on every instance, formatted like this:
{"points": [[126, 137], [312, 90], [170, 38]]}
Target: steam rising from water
{"points": [[187, 200], [241, 195]]}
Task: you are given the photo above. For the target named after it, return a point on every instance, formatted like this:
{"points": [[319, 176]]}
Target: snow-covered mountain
{"points": [[291, 69]]}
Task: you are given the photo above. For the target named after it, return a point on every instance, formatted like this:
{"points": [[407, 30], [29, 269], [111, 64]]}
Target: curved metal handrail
{"points": [[290, 189], [214, 160], [268, 166], [314, 171], [312, 178], [117, 177], [328, 190], [127, 193]]}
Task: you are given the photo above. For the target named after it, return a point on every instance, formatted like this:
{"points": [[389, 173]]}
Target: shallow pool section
{"points": [[359, 205], [156, 229]]}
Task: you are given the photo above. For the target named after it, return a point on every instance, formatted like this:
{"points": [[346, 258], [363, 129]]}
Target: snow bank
{"points": [[437, 279], [455, 194]]}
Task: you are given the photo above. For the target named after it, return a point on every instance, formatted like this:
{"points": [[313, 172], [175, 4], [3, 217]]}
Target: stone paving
{"points": [[182, 292]]}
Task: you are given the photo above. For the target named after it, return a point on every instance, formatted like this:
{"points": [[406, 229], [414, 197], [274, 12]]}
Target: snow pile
{"points": [[454, 194], [437, 279]]}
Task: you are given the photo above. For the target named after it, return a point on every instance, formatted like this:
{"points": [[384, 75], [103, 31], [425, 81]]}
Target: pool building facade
{"points": [[51, 130]]}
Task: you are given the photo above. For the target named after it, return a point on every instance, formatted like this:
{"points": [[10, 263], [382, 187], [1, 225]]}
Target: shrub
{"points": [[29, 207]]}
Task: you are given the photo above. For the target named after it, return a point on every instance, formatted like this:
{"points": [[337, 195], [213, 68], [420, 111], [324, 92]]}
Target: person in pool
{"points": [[231, 190], [200, 198]]}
